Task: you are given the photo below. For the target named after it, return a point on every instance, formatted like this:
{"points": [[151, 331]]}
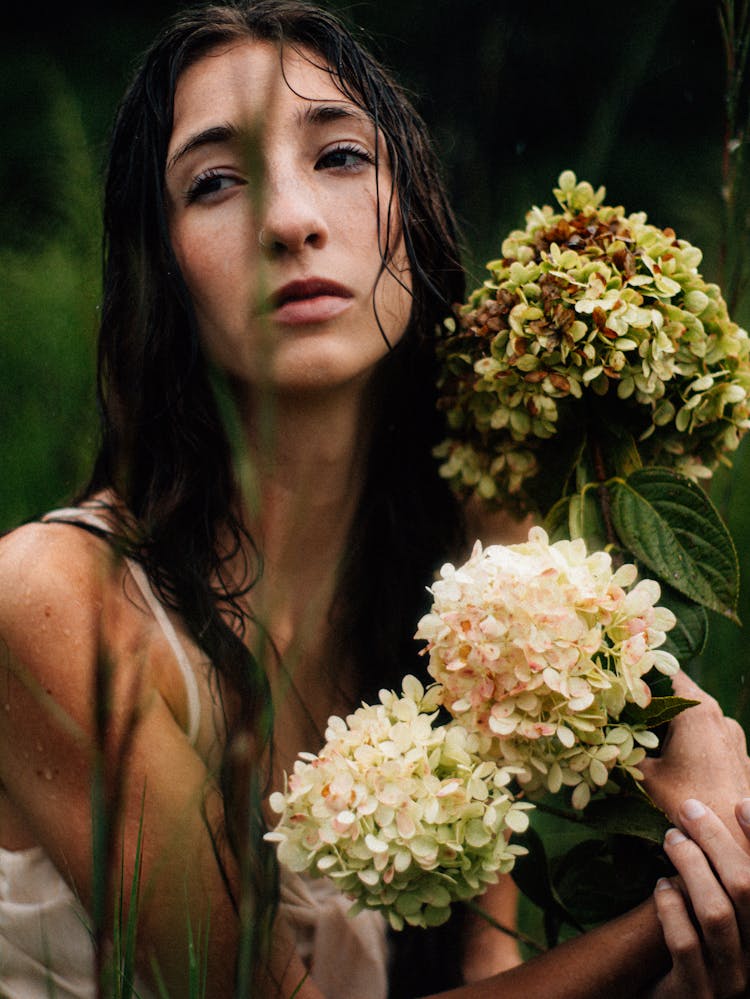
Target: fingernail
{"points": [[674, 836], [744, 811], [692, 809], [663, 884]]}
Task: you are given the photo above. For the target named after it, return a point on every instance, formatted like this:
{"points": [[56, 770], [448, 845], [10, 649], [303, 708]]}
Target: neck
{"points": [[307, 460]]}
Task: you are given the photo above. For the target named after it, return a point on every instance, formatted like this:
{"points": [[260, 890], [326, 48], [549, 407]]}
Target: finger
{"points": [[742, 811], [729, 860], [713, 911], [689, 975]]}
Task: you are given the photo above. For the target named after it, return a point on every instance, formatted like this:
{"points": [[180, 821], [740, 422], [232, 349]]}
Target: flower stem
{"points": [[516, 934], [560, 813], [605, 503]]}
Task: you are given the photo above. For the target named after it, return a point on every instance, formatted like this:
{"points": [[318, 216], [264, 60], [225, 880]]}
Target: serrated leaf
{"points": [[658, 712], [672, 526], [688, 637]]}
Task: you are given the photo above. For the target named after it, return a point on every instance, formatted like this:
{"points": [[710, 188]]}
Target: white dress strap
{"points": [[82, 515]]}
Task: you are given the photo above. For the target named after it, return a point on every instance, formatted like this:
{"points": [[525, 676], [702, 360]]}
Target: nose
{"points": [[291, 218]]}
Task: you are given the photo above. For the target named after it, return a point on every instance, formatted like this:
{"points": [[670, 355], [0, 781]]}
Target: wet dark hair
{"points": [[165, 450]]}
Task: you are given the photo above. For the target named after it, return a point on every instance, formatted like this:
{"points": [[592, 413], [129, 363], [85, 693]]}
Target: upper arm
{"points": [[76, 701], [487, 950]]}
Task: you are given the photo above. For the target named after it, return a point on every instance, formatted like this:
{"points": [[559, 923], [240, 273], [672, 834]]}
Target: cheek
{"points": [[218, 268]]}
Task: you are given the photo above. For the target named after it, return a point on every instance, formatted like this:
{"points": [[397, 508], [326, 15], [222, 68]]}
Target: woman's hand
{"points": [[705, 916], [704, 756]]}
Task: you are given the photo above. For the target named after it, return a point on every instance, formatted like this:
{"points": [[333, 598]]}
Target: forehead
{"points": [[242, 80]]}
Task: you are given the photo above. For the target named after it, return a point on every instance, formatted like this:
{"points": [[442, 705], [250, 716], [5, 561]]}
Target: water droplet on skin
{"points": [[7, 707], [47, 773], [39, 746]]}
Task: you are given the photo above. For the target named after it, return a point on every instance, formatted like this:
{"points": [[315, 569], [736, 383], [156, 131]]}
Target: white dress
{"points": [[46, 949]]}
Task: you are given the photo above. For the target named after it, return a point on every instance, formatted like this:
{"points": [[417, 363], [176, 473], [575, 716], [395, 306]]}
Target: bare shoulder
{"points": [[46, 569], [54, 580]]}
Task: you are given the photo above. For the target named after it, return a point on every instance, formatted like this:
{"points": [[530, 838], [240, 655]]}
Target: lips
{"points": [[297, 291], [311, 300]]}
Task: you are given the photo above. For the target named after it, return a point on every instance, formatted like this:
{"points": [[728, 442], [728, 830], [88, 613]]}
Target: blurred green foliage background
{"points": [[628, 95]]}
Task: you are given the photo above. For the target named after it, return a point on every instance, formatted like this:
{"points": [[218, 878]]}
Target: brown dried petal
{"points": [[600, 318], [559, 381]]}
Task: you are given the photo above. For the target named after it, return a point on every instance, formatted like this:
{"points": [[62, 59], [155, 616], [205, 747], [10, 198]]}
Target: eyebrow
{"points": [[321, 114], [314, 114], [214, 135]]}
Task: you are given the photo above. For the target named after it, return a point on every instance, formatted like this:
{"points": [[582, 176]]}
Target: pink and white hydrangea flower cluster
{"points": [[402, 813], [539, 647]]}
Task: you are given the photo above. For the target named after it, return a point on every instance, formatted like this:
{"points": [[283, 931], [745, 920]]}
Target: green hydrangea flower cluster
{"points": [[589, 315], [402, 814]]}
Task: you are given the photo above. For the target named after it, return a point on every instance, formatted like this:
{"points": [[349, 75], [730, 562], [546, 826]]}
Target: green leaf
{"points": [[688, 637], [658, 712], [672, 526], [615, 448], [556, 523], [558, 461], [531, 873], [586, 520], [598, 880], [622, 454], [627, 815]]}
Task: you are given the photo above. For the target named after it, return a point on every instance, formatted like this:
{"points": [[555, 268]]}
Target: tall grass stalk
{"points": [[109, 777], [123, 956]]}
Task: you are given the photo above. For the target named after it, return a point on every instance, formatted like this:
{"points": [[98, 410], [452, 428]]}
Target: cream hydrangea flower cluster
{"points": [[586, 303], [539, 647], [402, 813]]}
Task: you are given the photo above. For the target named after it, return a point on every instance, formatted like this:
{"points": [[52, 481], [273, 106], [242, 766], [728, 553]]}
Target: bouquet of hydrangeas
{"points": [[590, 318], [402, 813], [596, 380], [598, 356]]}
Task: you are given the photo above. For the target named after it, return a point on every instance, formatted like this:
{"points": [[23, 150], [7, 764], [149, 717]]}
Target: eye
{"points": [[207, 185], [346, 157]]}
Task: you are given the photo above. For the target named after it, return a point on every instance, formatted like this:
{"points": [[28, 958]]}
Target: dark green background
{"points": [[627, 95]]}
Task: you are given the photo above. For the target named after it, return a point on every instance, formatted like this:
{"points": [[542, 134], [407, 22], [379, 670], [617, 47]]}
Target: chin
{"points": [[319, 368]]}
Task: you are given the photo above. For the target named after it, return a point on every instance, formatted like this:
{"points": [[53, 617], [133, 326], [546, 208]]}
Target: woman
{"points": [[279, 249]]}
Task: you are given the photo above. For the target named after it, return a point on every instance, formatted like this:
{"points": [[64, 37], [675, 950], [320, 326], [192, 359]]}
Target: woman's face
{"points": [[275, 212]]}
